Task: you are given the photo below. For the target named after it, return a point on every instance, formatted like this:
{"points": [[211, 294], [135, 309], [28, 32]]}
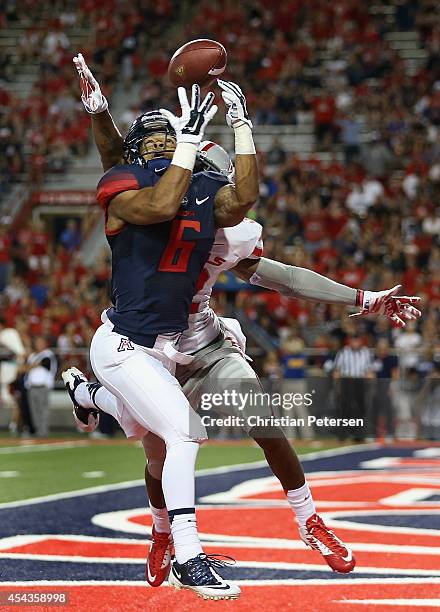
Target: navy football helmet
{"points": [[152, 122]]}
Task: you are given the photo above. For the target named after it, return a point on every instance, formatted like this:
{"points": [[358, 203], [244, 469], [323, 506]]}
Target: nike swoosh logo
{"points": [[348, 557], [150, 577], [198, 202], [160, 169], [225, 587], [176, 573]]}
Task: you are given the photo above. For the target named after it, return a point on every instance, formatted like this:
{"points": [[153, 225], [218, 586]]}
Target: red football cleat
{"points": [[336, 554], [159, 558]]}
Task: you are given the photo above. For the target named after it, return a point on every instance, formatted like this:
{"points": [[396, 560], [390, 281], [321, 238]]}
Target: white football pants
{"points": [[149, 399]]}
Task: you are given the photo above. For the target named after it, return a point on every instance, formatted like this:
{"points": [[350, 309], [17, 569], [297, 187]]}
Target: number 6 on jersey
{"points": [[177, 243]]}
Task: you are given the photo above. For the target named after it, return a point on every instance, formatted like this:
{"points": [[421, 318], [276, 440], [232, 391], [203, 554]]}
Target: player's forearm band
{"points": [[185, 155], [301, 283], [244, 143]]}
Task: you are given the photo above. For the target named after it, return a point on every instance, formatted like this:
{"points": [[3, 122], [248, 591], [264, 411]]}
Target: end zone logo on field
{"points": [[388, 512]]}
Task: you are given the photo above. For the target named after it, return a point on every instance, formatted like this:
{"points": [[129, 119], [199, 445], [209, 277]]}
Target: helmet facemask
{"points": [[150, 136]]}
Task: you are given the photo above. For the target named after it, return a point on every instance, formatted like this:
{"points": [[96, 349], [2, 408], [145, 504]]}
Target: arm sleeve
{"points": [[301, 283]]}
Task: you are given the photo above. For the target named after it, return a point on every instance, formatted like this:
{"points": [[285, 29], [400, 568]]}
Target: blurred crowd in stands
{"points": [[42, 132], [47, 291], [369, 216], [331, 60]]}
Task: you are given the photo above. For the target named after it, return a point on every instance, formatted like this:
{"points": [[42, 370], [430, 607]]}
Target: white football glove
{"points": [[91, 95], [397, 308], [235, 101], [190, 126]]}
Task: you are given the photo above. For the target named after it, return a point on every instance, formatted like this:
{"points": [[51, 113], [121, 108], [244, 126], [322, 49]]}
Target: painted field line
{"points": [[203, 472], [36, 448], [337, 520], [76, 493], [227, 541], [282, 565]]}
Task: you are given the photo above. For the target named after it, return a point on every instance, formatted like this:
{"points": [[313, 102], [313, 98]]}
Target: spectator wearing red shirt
{"points": [[158, 65], [314, 225], [351, 274], [411, 274], [432, 289], [324, 255], [336, 219], [39, 241], [324, 109]]}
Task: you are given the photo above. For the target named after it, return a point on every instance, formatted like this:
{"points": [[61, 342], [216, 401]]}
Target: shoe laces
{"points": [[203, 565], [319, 531], [219, 561]]}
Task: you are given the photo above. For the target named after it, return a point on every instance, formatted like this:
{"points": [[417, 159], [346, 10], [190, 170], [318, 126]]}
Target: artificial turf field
{"points": [[30, 469], [84, 529]]}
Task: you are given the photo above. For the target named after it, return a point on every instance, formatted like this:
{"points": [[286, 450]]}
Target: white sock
{"points": [[178, 480], [82, 396], [301, 502], [178, 483], [161, 519], [185, 536]]}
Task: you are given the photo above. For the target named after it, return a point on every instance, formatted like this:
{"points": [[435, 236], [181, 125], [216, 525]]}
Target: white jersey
{"points": [[231, 245]]}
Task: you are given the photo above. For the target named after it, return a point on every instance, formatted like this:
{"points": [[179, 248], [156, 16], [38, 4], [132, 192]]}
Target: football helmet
{"points": [[211, 156], [152, 122]]}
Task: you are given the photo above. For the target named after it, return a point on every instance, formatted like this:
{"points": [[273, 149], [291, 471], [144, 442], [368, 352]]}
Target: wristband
{"points": [[185, 155], [244, 143], [359, 298]]}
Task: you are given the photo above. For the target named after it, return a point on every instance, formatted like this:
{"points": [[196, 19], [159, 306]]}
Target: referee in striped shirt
{"points": [[352, 367]]}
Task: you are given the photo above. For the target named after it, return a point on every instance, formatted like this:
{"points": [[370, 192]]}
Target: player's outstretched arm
{"points": [[161, 202], [234, 201], [108, 138], [302, 283]]}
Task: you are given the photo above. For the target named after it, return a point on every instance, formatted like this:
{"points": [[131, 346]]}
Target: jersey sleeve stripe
{"points": [[117, 175], [111, 188]]}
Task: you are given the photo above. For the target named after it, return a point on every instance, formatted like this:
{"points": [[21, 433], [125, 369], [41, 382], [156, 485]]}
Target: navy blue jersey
{"points": [[155, 267]]}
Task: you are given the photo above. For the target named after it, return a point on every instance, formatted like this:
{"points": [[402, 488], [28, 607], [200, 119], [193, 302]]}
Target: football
{"points": [[199, 61]]}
